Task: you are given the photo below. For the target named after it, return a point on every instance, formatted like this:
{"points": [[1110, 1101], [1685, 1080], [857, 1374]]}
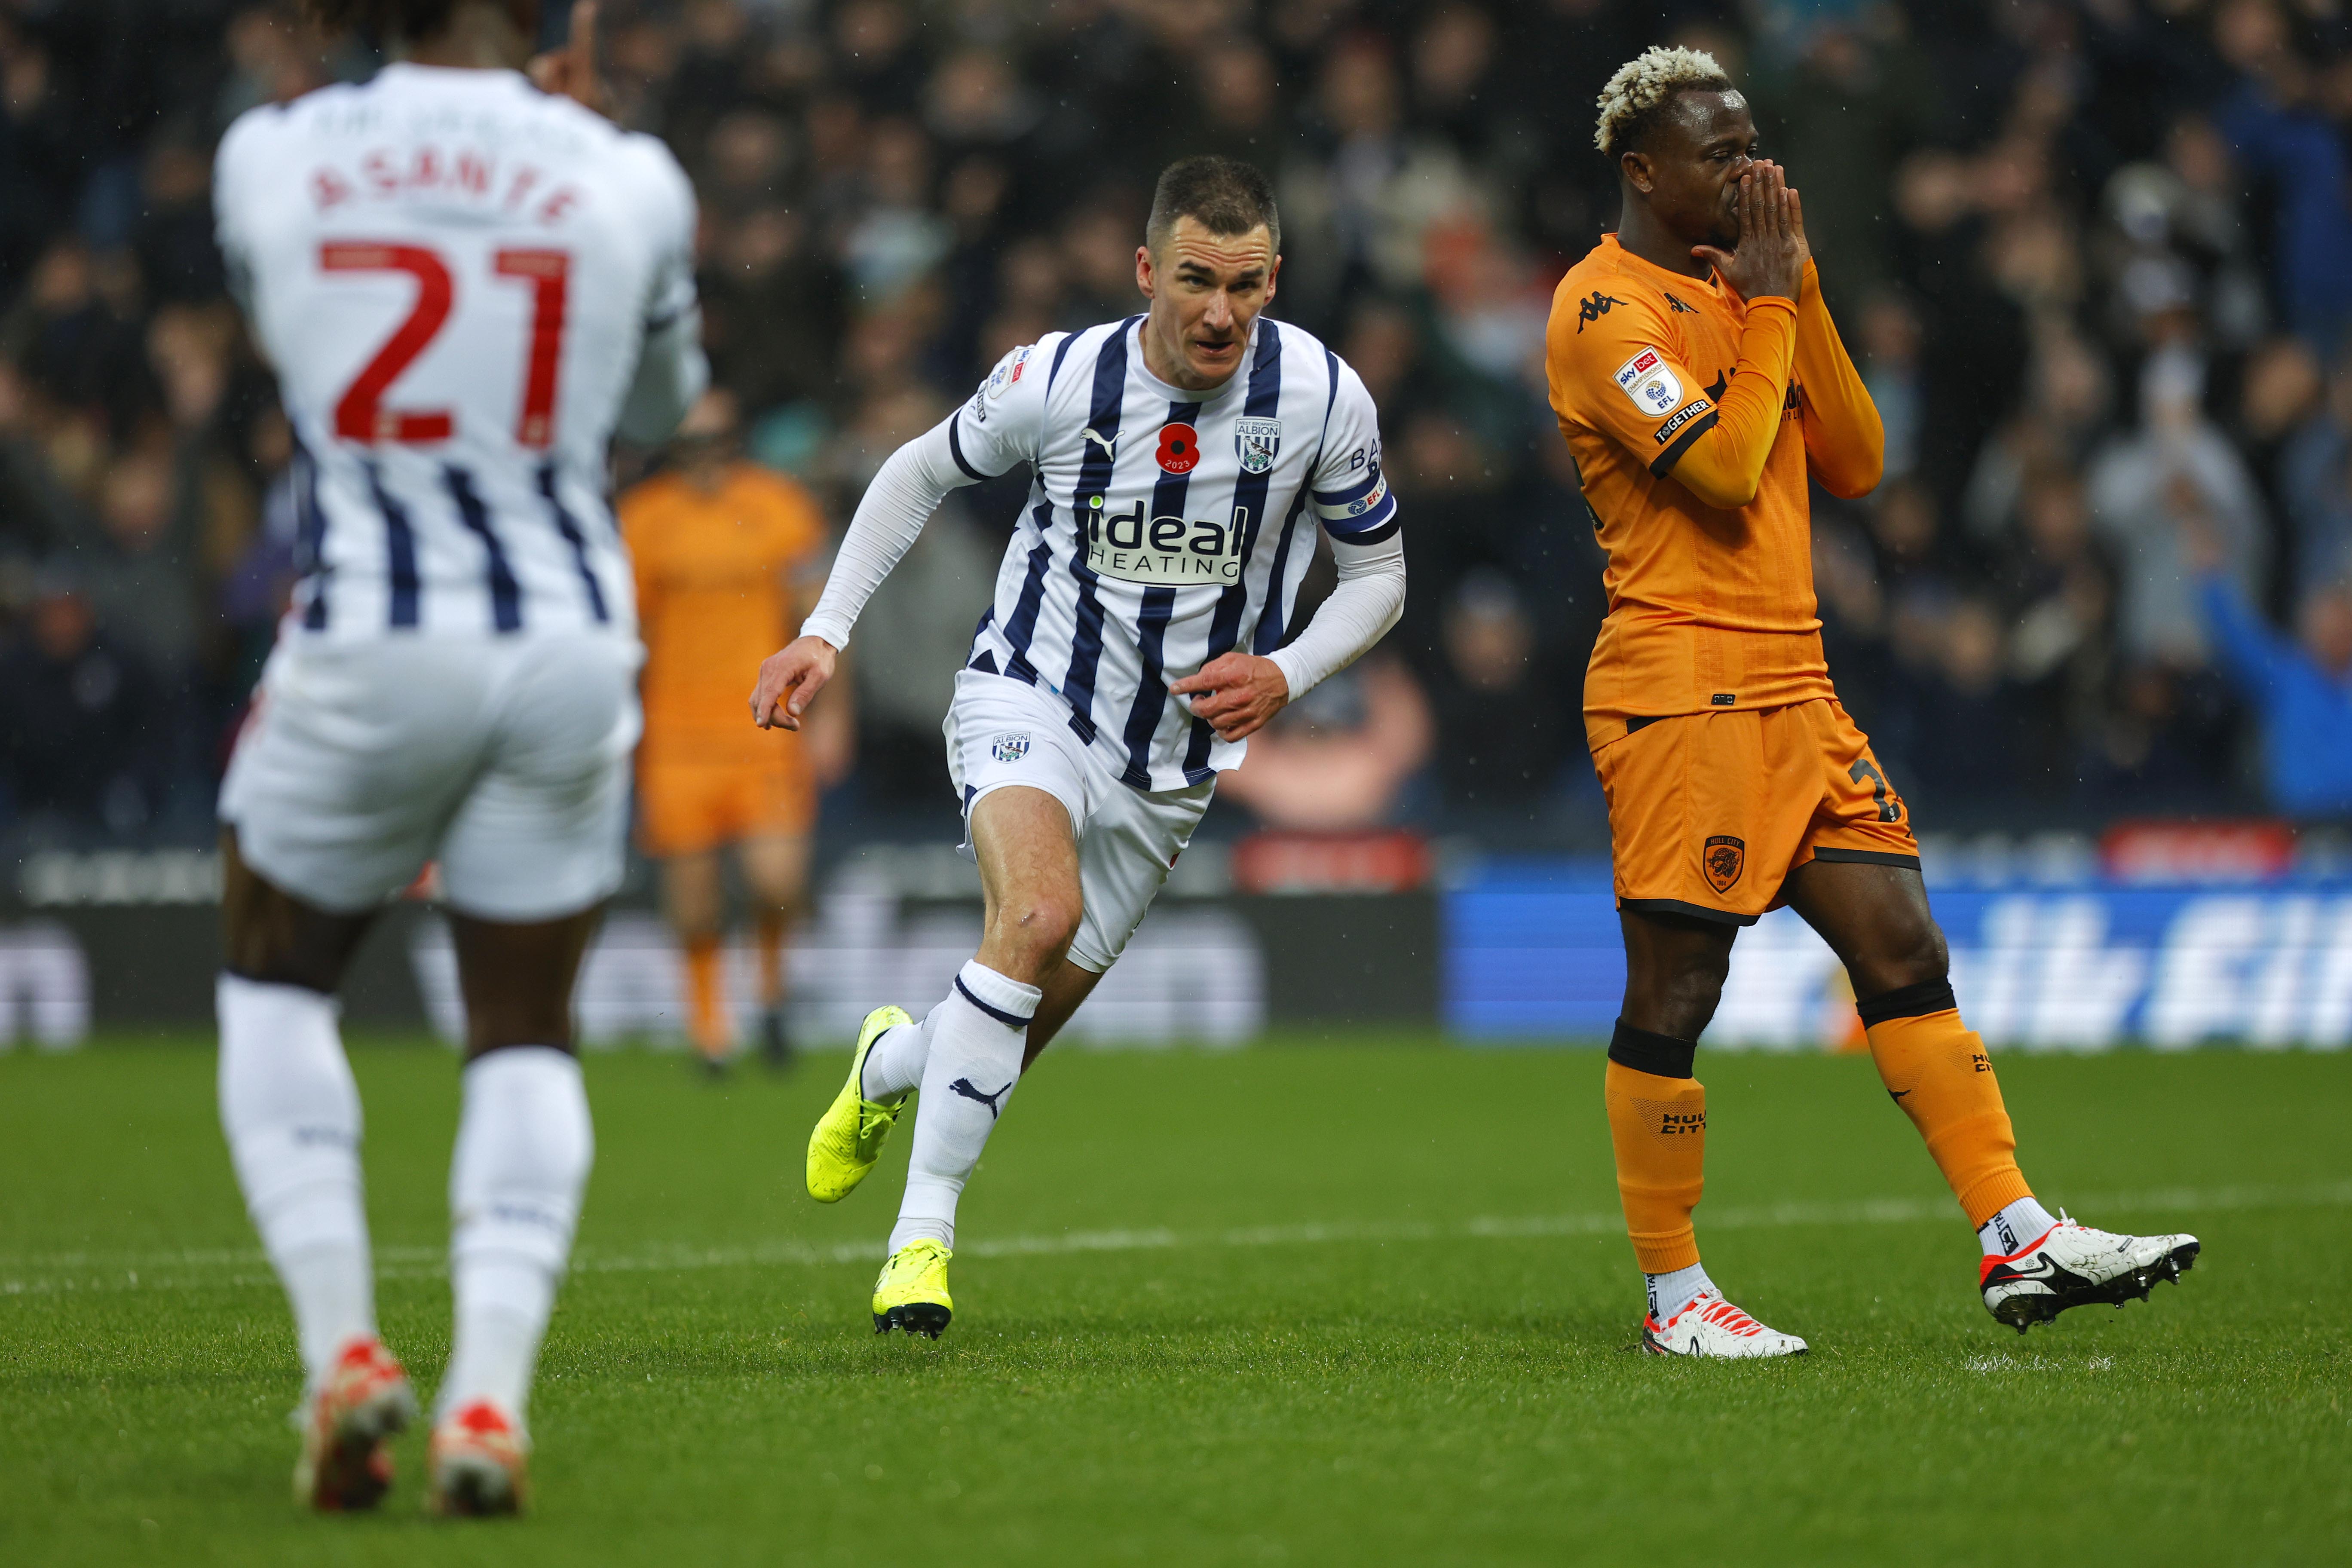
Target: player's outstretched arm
{"points": [[1846, 442]]}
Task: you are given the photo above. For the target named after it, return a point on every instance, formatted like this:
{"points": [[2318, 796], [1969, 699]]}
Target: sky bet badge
{"points": [[1258, 440]]}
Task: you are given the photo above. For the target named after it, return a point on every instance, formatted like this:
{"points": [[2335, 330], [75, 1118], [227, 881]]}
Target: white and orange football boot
{"points": [[1711, 1326], [478, 1461], [2071, 1264], [363, 1400]]}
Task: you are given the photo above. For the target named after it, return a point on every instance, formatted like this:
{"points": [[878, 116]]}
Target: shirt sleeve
{"points": [[1846, 443], [1619, 370], [671, 369], [1000, 426], [1349, 493], [232, 186]]}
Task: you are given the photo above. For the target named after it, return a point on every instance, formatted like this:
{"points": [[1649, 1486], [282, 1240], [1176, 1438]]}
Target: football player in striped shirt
{"points": [[1701, 385], [466, 281], [1140, 631]]}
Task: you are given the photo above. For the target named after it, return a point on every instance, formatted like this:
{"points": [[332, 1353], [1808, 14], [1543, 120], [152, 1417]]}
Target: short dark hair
{"points": [[1223, 195], [406, 19]]}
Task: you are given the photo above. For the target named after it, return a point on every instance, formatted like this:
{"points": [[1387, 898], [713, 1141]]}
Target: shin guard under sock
{"points": [[291, 1112], [974, 1067], [524, 1148], [1936, 1068], [1657, 1125]]}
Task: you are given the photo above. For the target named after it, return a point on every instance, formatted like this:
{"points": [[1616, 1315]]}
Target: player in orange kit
{"points": [[729, 557], [1700, 382]]}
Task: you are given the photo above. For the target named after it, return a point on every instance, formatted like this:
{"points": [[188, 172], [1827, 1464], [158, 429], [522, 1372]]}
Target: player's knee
{"points": [[1040, 927], [1911, 953]]}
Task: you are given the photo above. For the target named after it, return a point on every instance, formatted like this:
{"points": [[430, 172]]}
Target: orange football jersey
{"points": [[1709, 608], [719, 579]]}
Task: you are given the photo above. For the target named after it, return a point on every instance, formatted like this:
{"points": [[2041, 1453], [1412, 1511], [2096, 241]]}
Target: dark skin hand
{"points": [[1696, 197]]}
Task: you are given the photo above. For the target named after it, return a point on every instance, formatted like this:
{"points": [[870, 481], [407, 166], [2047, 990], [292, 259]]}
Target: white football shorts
{"points": [[507, 760], [1004, 731]]}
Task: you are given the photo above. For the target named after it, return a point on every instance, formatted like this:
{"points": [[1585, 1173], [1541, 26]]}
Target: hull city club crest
{"points": [[1725, 858], [1258, 440]]}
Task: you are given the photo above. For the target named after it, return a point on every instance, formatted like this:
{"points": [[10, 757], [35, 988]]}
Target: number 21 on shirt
{"points": [[360, 415]]}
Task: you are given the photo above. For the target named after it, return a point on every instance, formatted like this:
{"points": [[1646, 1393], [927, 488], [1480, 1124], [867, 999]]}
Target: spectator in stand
{"points": [[2175, 473], [728, 558], [1340, 757], [1502, 739], [74, 712], [2301, 690]]}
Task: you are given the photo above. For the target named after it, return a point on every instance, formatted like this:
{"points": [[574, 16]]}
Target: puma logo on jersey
{"points": [[994, 1100], [1090, 435], [1592, 307]]}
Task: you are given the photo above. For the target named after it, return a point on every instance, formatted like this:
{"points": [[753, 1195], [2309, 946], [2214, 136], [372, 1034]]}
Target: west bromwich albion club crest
{"points": [[1258, 440], [1011, 746]]}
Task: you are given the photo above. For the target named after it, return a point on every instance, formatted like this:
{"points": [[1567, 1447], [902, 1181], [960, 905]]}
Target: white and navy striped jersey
{"points": [[1163, 526], [454, 276]]}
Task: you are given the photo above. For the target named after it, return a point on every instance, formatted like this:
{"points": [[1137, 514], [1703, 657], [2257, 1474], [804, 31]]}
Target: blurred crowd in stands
{"points": [[2093, 257]]}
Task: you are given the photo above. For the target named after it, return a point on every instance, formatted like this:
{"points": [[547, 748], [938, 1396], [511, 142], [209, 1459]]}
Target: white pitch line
{"points": [[108, 1272]]}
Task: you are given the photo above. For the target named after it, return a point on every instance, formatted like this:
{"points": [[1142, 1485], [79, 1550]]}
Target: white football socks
{"points": [[1670, 1293], [894, 1065], [2021, 1224], [291, 1112], [977, 1035], [524, 1146]]}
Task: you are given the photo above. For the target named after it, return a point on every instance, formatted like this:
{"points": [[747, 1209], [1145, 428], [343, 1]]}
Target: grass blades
{"points": [[1318, 1303]]}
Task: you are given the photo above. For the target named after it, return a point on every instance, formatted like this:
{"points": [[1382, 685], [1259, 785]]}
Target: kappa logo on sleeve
{"points": [[1682, 417], [1592, 307], [1649, 381]]}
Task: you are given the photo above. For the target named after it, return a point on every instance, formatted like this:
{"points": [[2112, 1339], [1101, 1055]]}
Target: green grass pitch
{"points": [[1326, 1302]]}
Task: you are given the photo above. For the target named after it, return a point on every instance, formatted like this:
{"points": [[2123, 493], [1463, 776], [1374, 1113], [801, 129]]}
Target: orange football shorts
{"points": [[1708, 813], [691, 807]]}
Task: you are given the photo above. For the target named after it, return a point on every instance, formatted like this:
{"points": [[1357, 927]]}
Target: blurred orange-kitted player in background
{"points": [[729, 557]]}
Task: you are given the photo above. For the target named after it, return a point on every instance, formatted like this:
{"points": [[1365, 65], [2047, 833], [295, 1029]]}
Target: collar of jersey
{"points": [[1186, 394], [410, 70], [1683, 280]]}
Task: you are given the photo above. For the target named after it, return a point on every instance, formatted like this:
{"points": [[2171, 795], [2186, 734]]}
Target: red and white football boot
{"points": [[480, 1463], [1711, 1326], [2071, 1264], [363, 1400]]}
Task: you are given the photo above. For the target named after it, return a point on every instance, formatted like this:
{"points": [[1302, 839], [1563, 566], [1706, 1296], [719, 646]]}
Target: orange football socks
{"points": [[1936, 1069], [770, 933], [706, 1015], [1657, 1124]]}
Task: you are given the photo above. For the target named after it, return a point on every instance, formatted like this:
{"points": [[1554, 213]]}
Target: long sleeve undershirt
{"points": [[1368, 601], [1846, 443], [1723, 467]]}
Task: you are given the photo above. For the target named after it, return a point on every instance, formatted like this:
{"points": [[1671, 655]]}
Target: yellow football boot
{"points": [[912, 1293], [849, 1136]]}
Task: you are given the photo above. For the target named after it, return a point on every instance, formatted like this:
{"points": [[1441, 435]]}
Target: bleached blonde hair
{"points": [[1629, 104]]}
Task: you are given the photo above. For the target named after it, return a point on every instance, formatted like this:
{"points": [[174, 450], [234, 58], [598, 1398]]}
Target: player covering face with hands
{"points": [[1140, 633], [1701, 385]]}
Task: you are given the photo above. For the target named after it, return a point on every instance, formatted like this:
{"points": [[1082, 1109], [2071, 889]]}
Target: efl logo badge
{"points": [[1650, 383], [1011, 746], [1723, 859], [1257, 441], [1179, 448]]}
